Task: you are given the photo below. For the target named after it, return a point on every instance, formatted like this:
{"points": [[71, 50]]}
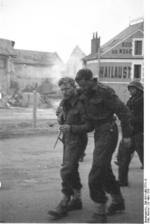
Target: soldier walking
{"points": [[136, 106], [74, 126], [101, 104]]}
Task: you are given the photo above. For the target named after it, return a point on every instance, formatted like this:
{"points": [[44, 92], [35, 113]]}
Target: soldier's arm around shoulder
{"points": [[85, 124]]}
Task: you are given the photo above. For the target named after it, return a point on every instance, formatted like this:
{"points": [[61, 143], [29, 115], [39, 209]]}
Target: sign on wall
{"points": [[124, 48], [121, 50], [115, 71]]}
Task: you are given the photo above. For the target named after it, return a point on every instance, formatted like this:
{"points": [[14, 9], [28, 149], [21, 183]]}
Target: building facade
{"points": [[34, 66], [26, 67], [120, 60]]}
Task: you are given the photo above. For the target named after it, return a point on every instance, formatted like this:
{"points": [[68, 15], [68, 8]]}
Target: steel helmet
{"points": [[137, 84]]}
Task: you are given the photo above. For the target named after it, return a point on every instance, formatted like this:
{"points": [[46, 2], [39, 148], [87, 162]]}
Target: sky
{"points": [[60, 25]]}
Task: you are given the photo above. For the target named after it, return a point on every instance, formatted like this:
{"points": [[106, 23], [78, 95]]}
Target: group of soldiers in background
{"points": [[93, 107]]}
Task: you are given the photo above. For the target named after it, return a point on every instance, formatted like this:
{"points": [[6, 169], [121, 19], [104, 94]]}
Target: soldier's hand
{"points": [[60, 119], [126, 142], [65, 128]]}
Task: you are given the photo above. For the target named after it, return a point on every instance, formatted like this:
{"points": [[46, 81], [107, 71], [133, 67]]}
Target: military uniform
{"points": [[60, 117], [74, 143], [136, 106], [74, 115], [101, 104]]}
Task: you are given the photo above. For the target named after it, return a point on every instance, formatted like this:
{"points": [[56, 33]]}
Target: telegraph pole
{"points": [[35, 106]]}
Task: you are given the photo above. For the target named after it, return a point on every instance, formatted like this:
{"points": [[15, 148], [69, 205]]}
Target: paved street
{"points": [[29, 173]]}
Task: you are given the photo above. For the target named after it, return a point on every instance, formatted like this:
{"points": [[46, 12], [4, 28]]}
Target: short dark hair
{"points": [[66, 80], [85, 74]]}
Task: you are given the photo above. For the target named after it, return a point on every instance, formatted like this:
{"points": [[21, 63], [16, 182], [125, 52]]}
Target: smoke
{"points": [[57, 72]]}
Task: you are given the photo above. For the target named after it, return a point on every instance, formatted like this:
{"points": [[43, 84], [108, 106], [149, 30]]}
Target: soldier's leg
{"points": [[110, 137], [74, 178], [76, 200], [112, 187], [139, 146], [62, 209], [71, 184], [97, 194], [126, 155], [102, 156]]}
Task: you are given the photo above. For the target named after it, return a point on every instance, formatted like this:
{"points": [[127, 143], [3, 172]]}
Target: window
{"points": [[137, 71], [138, 47]]}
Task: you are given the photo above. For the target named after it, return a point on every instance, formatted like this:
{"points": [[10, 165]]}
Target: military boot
{"points": [[61, 210], [76, 202], [117, 204], [100, 215]]}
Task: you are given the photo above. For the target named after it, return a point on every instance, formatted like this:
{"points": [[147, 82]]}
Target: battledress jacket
{"points": [[136, 106], [73, 113], [102, 103]]}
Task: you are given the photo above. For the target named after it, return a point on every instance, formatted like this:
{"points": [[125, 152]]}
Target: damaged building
{"points": [[21, 71], [25, 67]]}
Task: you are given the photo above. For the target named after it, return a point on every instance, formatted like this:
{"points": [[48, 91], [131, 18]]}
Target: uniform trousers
{"points": [[125, 155], [73, 149], [101, 177]]}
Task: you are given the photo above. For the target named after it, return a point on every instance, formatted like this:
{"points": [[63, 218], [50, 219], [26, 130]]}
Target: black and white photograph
{"points": [[72, 111]]}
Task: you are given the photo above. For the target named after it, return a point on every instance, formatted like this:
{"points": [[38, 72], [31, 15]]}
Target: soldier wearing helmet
{"points": [[136, 106]]}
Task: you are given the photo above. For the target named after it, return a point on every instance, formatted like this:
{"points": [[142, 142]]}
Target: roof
{"points": [[76, 55], [37, 58], [74, 62], [6, 47], [118, 38], [77, 52]]}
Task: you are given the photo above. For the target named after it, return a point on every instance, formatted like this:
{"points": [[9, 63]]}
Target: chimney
{"points": [[12, 43], [95, 42]]}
